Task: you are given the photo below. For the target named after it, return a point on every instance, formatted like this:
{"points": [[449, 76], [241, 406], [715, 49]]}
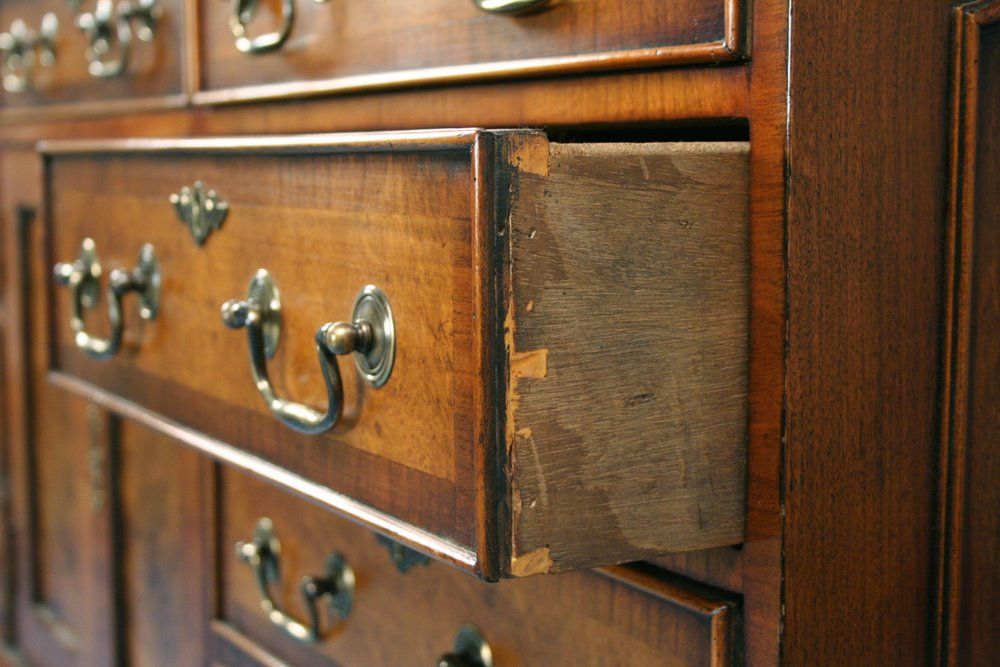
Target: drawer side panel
{"points": [[627, 334]]}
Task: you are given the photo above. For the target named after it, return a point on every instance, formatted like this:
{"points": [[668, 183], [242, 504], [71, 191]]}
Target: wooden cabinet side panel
{"points": [[970, 498], [866, 168], [628, 336]]}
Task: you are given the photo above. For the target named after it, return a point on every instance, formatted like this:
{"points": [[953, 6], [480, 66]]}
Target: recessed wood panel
{"points": [[161, 553], [59, 478], [362, 44]]}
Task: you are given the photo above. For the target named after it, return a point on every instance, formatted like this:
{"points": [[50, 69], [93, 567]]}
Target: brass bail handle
{"points": [[509, 6], [336, 587], [22, 49], [369, 337], [82, 276], [470, 649], [110, 31], [244, 12]]}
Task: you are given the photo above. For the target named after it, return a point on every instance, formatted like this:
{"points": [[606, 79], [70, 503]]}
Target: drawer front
{"points": [[358, 44], [621, 616], [324, 226], [133, 71], [503, 440]]}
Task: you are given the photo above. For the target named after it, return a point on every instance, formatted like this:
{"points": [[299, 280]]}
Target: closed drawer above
{"points": [[91, 54], [550, 340], [254, 48]]}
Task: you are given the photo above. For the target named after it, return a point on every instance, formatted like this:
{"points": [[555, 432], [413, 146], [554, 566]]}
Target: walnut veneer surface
{"points": [[711, 288]]}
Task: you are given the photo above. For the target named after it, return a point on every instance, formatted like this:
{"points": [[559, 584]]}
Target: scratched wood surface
{"points": [[627, 336]]}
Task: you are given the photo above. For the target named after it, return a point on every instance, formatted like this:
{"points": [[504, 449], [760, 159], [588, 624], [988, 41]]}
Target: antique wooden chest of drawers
{"points": [[497, 332]]}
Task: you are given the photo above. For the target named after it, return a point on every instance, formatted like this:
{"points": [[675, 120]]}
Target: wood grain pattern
{"points": [[569, 619], [968, 608], [628, 306], [154, 74], [400, 221], [866, 166], [761, 556], [354, 45], [647, 98]]}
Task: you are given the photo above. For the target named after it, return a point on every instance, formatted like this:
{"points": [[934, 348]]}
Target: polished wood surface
{"points": [[969, 610], [867, 508], [153, 78], [7, 567], [401, 221], [866, 203], [361, 45], [565, 619], [709, 97]]}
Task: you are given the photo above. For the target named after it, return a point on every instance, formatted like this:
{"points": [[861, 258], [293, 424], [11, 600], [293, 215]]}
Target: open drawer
{"points": [[541, 356]]}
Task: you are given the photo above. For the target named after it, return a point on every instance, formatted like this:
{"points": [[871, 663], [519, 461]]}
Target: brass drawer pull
{"points": [[404, 558], [21, 48], [370, 336], [244, 12], [110, 30], [82, 276], [201, 209], [470, 650], [509, 6], [263, 554]]}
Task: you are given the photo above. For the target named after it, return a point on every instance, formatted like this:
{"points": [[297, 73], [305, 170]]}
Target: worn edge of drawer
{"points": [[731, 48], [410, 140], [521, 157]]}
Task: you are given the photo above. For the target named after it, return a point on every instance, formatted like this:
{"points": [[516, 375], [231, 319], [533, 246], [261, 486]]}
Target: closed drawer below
{"points": [[622, 616], [568, 328]]}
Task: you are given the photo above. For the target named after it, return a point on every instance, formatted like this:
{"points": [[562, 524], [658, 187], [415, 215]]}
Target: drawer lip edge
{"points": [[462, 557], [325, 142], [675, 55]]}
